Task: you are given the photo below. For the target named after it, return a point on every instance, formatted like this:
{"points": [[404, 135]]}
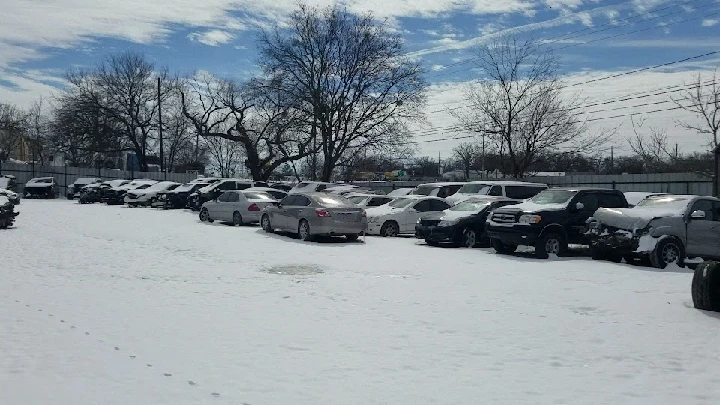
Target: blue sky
{"points": [[41, 39]]}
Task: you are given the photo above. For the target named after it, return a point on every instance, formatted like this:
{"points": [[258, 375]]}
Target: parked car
{"points": [[401, 215], [237, 206], [341, 189], [11, 195], [213, 191], [7, 212], [284, 186], [634, 197], [314, 214], [91, 193], [107, 186], [274, 192], [399, 192], [460, 225], [517, 190], [116, 195], [8, 182], [146, 196], [310, 187], [442, 190], [660, 229], [549, 221], [41, 187], [178, 197], [74, 189], [368, 200]]}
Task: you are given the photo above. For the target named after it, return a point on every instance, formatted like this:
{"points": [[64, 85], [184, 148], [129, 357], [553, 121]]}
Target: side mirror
{"points": [[698, 215], [579, 206]]}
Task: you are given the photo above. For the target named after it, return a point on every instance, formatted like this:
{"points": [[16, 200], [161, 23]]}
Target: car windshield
{"points": [[664, 201], [553, 197], [402, 202], [474, 189], [470, 206], [142, 187], [257, 195], [185, 187], [423, 190], [332, 201], [357, 199], [159, 186], [41, 181]]}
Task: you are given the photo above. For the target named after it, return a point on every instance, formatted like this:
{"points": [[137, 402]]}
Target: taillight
{"points": [[322, 213], [253, 207]]}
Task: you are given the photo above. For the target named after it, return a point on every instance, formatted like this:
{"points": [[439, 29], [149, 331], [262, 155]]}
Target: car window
{"points": [[289, 200], [522, 192], [716, 211], [257, 195], [277, 194], [224, 197], [401, 202], [611, 201], [357, 199], [242, 186], [423, 190], [330, 201], [590, 202], [454, 188], [442, 192], [496, 191], [437, 205], [707, 206], [233, 197], [422, 206], [301, 201], [227, 185], [474, 188], [261, 184], [378, 201], [321, 187]]}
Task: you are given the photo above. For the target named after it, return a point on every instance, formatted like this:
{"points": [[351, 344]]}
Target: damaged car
{"points": [[41, 187], [7, 212], [661, 230]]}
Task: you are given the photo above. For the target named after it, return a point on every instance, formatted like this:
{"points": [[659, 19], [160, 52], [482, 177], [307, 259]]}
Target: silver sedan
{"points": [[314, 214], [236, 206]]}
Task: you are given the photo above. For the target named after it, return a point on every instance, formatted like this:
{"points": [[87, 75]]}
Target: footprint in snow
{"points": [[149, 365], [87, 333], [72, 327], [167, 375], [62, 321], [132, 357], [39, 310], [193, 383], [117, 348], [215, 394]]}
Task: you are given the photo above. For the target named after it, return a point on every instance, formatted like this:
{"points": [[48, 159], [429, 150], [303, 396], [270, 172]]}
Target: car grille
{"points": [[429, 222], [504, 218]]}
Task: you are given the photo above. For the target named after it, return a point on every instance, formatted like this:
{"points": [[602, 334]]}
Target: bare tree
{"points": [[12, 130], [225, 156], [522, 107], [703, 100], [178, 134], [466, 153], [651, 147], [348, 78], [37, 131]]}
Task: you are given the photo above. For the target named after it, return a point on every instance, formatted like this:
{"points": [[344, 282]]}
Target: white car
{"points": [[443, 189], [146, 196], [274, 192], [401, 215], [11, 195], [517, 190], [368, 200], [311, 186], [236, 206], [116, 195], [399, 192]]}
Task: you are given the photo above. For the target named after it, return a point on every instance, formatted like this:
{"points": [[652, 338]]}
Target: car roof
{"points": [[488, 198], [264, 189], [367, 195], [506, 183], [443, 183], [420, 197], [584, 189], [41, 178]]}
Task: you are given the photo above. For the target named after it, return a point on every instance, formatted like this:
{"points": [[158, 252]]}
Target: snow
{"points": [[3, 200], [529, 206], [639, 217], [121, 297]]}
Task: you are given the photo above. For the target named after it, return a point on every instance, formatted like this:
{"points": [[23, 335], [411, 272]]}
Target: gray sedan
{"points": [[314, 214]]}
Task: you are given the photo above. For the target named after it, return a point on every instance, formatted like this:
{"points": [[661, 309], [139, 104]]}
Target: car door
{"points": [[579, 217], [278, 218], [231, 205], [411, 215], [702, 233], [295, 212], [214, 207]]}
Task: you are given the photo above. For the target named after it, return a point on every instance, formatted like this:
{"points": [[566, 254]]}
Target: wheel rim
{"points": [[236, 218], [391, 230], [204, 215], [670, 253], [265, 223], [470, 238], [552, 246], [304, 230]]}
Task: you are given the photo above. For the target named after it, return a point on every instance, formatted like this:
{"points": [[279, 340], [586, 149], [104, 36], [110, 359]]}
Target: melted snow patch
{"points": [[295, 269]]}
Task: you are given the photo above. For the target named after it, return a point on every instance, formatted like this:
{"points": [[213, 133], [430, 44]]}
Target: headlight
{"points": [[372, 220], [449, 223], [530, 219], [643, 231]]}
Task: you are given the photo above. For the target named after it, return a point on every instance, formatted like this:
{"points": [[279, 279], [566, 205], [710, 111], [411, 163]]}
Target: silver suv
{"points": [[659, 229]]}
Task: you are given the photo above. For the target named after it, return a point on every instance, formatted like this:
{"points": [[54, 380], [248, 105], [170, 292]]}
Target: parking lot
{"points": [[114, 305]]}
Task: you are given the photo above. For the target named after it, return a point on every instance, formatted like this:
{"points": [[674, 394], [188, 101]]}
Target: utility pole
{"points": [[612, 159], [439, 173], [483, 155], [160, 128]]}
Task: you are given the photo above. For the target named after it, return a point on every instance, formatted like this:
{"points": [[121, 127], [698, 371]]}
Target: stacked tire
{"points": [[705, 287]]}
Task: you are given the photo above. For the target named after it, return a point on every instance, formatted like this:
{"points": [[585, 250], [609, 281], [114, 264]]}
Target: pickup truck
{"points": [[662, 229], [549, 221]]}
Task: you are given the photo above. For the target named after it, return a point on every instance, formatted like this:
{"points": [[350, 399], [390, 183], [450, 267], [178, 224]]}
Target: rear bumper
{"points": [[338, 228], [251, 217]]}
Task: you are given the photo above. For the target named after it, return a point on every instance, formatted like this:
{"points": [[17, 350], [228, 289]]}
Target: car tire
{"points": [[597, 253], [352, 237], [237, 219], [432, 243], [667, 251], [502, 248], [705, 287], [265, 224], [469, 238], [390, 229], [550, 243], [304, 231], [204, 215]]}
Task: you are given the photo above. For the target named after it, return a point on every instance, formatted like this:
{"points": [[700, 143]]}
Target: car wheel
{"points": [[204, 215], [705, 287], [502, 248], [304, 230], [551, 243], [597, 253], [265, 223], [432, 243], [237, 219], [469, 238], [351, 237], [668, 251], [390, 229]]}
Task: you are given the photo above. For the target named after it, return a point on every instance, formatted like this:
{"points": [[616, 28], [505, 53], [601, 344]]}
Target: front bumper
{"points": [[619, 242], [373, 228], [513, 235], [436, 233]]}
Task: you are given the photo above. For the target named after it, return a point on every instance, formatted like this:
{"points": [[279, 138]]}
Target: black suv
{"points": [[549, 221]]}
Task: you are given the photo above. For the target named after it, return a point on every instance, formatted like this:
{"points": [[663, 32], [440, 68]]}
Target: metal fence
{"points": [[674, 183], [66, 175]]}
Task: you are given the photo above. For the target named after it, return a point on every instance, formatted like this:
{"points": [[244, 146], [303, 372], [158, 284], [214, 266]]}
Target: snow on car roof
{"points": [[506, 183], [86, 180], [40, 182]]}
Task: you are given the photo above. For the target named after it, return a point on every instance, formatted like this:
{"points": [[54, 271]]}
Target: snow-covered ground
{"points": [[111, 305]]}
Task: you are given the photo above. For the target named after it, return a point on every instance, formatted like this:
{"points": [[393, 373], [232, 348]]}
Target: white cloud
{"points": [[212, 37], [709, 22]]}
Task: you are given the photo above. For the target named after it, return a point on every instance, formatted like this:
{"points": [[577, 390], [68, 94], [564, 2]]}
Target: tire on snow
{"points": [[705, 287]]}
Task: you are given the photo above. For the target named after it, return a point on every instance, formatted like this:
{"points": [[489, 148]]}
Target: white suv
{"points": [[517, 190]]}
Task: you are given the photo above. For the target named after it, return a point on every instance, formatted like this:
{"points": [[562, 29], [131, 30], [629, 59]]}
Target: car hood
{"points": [[382, 211], [449, 215], [529, 206], [633, 218]]}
